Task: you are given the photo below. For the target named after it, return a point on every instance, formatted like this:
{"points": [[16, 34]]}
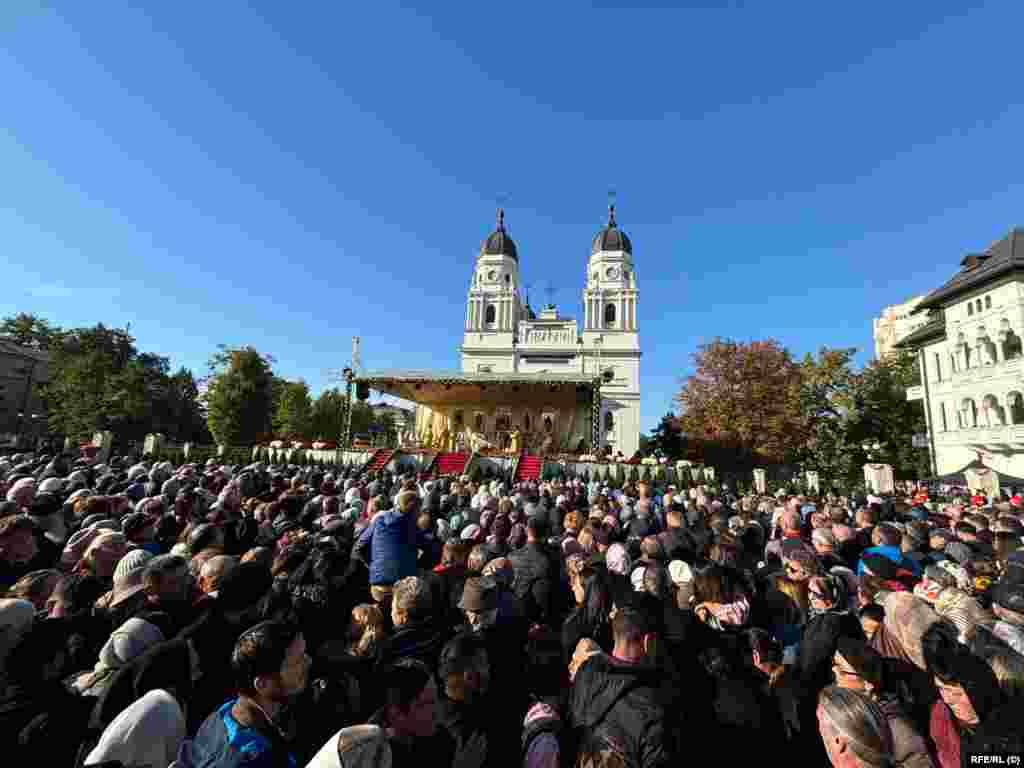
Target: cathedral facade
{"points": [[503, 334]]}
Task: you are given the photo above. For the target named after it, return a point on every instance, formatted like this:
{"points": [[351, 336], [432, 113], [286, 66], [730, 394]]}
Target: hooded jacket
{"points": [[619, 711]]}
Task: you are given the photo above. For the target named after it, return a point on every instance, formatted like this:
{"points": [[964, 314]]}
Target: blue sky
{"points": [[288, 175]]}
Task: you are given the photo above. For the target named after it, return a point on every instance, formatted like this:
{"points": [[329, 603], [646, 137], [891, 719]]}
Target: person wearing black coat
{"points": [[418, 634], [829, 620], [618, 704], [536, 573], [42, 722]]}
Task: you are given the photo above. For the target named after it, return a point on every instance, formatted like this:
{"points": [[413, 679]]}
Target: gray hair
{"points": [[479, 554], [858, 720], [823, 537], [412, 597]]}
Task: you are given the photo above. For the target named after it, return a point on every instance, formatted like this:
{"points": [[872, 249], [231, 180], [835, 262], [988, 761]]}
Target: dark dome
{"points": [[499, 242], [611, 238]]}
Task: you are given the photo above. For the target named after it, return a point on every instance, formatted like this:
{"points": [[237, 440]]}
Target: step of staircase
{"points": [[529, 468], [450, 463], [380, 459]]}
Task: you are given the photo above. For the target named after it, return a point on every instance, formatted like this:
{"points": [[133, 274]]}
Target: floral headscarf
{"points": [[617, 559]]}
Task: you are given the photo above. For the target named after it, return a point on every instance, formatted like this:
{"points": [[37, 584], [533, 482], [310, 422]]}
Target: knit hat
{"points": [[128, 642], [472, 532], [128, 575]]}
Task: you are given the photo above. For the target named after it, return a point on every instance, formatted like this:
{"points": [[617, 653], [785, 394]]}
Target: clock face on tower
{"points": [[612, 273]]}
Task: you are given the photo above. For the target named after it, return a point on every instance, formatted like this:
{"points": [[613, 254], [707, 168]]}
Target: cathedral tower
{"points": [[493, 307], [610, 336]]}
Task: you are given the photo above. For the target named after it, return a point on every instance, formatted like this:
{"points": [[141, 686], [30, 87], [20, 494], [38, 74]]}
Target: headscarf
{"points": [[617, 559], [125, 644], [147, 733], [906, 620], [358, 746], [22, 492], [517, 538], [961, 609], [105, 551]]}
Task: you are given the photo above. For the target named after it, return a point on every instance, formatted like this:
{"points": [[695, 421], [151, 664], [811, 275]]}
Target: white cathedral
{"points": [[504, 335]]}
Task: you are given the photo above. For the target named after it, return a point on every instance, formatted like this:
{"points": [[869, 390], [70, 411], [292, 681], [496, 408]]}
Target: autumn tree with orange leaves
{"points": [[747, 395]]}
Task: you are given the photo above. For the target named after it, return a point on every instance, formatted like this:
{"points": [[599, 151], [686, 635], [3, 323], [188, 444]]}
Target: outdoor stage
{"points": [[547, 414]]}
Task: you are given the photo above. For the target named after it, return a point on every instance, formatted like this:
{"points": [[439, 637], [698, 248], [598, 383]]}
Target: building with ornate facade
{"points": [[896, 323], [22, 370], [503, 335], [970, 356]]}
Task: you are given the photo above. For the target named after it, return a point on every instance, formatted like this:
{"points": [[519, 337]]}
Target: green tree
{"points": [[294, 414], [827, 403], [667, 438], [30, 331], [98, 380], [329, 415], [362, 418], [239, 395], [885, 416]]}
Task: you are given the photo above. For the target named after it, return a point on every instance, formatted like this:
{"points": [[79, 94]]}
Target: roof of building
{"points": [[933, 330], [610, 237], [499, 242], [542, 377], [1003, 256], [458, 389]]}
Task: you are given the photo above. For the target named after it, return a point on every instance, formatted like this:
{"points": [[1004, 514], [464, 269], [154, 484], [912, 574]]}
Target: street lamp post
{"points": [[346, 437]]}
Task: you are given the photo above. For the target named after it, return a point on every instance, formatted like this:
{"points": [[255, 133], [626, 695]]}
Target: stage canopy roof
{"points": [[457, 388]]}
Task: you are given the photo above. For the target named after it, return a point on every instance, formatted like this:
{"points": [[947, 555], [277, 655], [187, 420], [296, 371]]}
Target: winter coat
{"points": [[620, 713], [464, 721], [420, 640], [223, 742], [389, 546], [535, 579], [818, 645]]}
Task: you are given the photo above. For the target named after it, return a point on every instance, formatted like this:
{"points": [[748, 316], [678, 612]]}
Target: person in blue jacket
{"points": [[888, 540], [389, 543]]}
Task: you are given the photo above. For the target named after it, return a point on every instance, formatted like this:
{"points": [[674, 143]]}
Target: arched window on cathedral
{"points": [[609, 315], [609, 421], [490, 314]]}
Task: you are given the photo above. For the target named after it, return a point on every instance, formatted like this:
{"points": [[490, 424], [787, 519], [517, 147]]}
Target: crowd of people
{"points": [[214, 616]]}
